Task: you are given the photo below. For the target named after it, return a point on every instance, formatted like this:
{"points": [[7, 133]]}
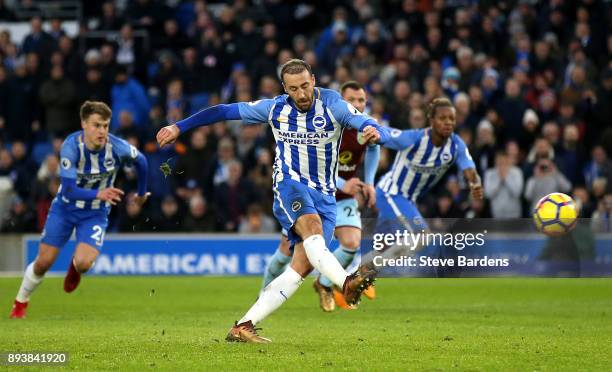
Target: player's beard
{"points": [[305, 104]]}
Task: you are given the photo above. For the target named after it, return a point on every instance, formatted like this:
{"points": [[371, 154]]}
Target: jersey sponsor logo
{"points": [[95, 177], [66, 163], [319, 121], [345, 157], [303, 138], [347, 168], [429, 170], [296, 206]]}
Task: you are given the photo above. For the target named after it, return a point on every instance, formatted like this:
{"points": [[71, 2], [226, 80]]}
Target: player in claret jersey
{"points": [[307, 123], [90, 160], [351, 156]]}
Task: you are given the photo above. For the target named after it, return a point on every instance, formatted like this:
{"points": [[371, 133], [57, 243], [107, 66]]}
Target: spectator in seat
{"points": [[129, 95], [201, 218], [58, 96], [170, 218], [546, 179], [21, 219], [601, 220], [256, 221], [503, 186], [233, 196]]}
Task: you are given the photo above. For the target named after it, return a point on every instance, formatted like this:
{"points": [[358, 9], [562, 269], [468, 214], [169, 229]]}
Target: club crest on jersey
{"points": [[296, 206], [109, 163], [319, 121], [66, 163], [446, 157], [345, 157]]}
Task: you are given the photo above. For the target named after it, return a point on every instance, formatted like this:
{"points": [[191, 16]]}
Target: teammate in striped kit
{"points": [[423, 157], [307, 123], [348, 224], [90, 160]]}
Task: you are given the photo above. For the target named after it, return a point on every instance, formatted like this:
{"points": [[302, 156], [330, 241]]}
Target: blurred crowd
{"points": [[531, 81]]}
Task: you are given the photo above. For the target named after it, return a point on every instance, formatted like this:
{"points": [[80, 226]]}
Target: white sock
{"points": [[323, 260], [273, 296], [29, 284]]}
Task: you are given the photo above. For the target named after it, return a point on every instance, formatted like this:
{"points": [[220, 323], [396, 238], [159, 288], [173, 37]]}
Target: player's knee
{"points": [[42, 265], [83, 264], [308, 225], [351, 242]]}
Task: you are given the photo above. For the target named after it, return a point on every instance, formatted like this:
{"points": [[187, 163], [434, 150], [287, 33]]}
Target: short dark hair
{"points": [[294, 66], [351, 84], [89, 108], [437, 103]]}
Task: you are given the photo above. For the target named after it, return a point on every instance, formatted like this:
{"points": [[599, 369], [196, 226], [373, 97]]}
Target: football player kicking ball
{"points": [[307, 123], [90, 160], [423, 157], [348, 223]]}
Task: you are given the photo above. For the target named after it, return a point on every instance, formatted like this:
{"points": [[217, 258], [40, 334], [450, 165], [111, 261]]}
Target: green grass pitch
{"points": [[179, 323]]}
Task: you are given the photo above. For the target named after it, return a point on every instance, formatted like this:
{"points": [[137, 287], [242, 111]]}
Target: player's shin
{"points": [[344, 256], [323, 260], [275, 267], [29, 284], [273, 296]]}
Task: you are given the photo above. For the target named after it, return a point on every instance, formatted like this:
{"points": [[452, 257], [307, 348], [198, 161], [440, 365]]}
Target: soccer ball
{"points": [[555, 214]]}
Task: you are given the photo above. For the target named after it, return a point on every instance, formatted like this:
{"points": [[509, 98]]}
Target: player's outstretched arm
{"points": [[473, 180], [210, 115], [372, 157], [250, 113], [466, 164], [348, 115], [142, 170], [402, 139]]}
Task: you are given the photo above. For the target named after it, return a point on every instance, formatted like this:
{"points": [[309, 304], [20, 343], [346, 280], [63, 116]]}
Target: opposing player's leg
{"points": [[56, 233], [90, 232], [278, 262]]}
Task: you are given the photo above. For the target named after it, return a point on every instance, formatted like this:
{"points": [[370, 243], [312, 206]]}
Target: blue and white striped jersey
{"points": [[419, 164], [307, 143], [93, 170]]}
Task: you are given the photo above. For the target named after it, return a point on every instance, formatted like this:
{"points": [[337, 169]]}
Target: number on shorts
{"points": [[98, 234], [349, 211]]}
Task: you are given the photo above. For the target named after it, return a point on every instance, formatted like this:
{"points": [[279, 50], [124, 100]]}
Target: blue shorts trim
{"points": [[62, 220], [293, 199]]}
